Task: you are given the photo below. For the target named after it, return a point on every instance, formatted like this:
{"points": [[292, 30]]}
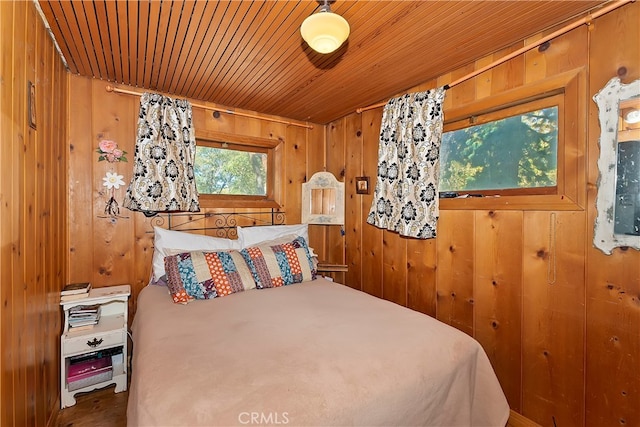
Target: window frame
{"points": [[569, 192], [512, 111], [271, 147]]}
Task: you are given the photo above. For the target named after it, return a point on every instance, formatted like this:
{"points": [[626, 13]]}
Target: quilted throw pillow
{"points": [[205, 275], [280, 264]]}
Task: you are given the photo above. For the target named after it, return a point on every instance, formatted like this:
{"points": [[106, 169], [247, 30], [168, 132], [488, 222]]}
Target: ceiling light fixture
{"points": [[325, 31]]}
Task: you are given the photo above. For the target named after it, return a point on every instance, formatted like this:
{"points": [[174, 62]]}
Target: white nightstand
{"points": [[110, 333]]}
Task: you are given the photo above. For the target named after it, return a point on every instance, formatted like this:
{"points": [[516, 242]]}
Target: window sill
{"points": [[525, 203]]}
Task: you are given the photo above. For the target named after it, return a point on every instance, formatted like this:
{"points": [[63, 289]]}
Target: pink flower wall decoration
{"points": [[110, 152]]}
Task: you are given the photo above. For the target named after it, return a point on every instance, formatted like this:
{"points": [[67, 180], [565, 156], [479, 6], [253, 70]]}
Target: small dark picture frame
{"points": [[31, 98], [362, 185]]}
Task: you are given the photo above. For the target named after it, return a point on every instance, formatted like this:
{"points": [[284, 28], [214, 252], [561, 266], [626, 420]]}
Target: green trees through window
{"points": [[228, 171], [510, 153]]}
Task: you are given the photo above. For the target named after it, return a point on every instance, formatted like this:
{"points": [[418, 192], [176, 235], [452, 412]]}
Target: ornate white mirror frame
{"points": [[608, 200], [323, 200]]}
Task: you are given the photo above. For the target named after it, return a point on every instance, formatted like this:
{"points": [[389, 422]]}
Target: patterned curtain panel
{"points": [[406, 195], [163, 178]]}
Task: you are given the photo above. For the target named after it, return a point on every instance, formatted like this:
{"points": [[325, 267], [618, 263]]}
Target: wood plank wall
{"points": [[107, 251], [33, 216], [567, 351]]}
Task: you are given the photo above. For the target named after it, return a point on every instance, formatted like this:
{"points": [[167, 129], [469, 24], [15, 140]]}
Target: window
{"points": [[519, 149], [227, 170], [510, 151], [235, 170]]}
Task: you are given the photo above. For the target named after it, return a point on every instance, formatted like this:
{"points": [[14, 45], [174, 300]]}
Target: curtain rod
{"points": [[206, 107], [586, 20]]}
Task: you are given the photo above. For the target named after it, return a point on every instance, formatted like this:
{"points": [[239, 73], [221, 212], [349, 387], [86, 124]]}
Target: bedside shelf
{"points": [[324, 267], [102, 340]]}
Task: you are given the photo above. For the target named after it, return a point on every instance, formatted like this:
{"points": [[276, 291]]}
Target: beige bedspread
{"points": [[315, 353]]}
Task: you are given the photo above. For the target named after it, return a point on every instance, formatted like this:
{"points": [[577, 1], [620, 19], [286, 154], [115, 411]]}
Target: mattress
{"points": [[315, 353]]}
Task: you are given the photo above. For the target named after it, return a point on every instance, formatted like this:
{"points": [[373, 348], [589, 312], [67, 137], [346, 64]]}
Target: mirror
{"points": [[618, 200], [323, 200]]}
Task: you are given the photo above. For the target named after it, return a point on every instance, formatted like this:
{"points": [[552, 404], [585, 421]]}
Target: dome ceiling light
{"points": [[325, 31]]}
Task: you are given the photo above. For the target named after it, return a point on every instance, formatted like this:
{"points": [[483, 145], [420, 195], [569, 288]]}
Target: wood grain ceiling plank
{"points": [[86, 16], [141, 36], [211, 45], [133, 29], [282, 51], [114, 38], [199, 15], [240, 34], [102, 24], [149, 41], [55, 17], [267, 34], [205, 31], [159, 41], [124, 38], [180, 18], [299, 60], [72, 33], [218, 45], [376, 17]]}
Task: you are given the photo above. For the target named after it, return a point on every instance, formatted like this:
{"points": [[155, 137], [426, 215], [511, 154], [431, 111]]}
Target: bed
{"points": [[243, 332]]}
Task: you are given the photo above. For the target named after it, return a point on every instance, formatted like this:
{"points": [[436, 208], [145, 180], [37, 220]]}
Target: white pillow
{"points": [[170, 242], [250, 236]]}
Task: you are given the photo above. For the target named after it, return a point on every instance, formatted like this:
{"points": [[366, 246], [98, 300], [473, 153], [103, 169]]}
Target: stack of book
{"points": [[84, 315], [75, 291]]}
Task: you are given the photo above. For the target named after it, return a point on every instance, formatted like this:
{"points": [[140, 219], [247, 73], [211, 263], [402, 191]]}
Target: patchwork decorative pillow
{"points": [[280, 264], [180, 241], [205, 275]]}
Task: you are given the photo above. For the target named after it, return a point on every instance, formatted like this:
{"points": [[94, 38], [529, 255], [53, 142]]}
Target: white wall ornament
{"points": [[618, 201], [323, 200]]}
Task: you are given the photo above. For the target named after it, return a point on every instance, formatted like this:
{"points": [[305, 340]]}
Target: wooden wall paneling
{"points": [[18, 297], [613, 281], [498, 296], [553, 318], [81, 163], [535, 66], [31, 207], [296, 155], [394, 267], [113, 119], [45, 225], [39, 310], [483, 82], [8, 127], [455, 272], [421, 275], [460, 94], [353, 201], [372, 252], [613, 338], [56, 108], [315, 163], [564, 53], [28, 241], [509, 74], [335, 155]]}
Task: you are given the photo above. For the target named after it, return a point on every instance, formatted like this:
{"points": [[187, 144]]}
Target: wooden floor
{"points": [[100, 408], [104, 408]]}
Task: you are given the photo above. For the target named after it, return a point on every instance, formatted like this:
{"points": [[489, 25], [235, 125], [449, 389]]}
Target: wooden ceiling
{"points": [[250, 55]]}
